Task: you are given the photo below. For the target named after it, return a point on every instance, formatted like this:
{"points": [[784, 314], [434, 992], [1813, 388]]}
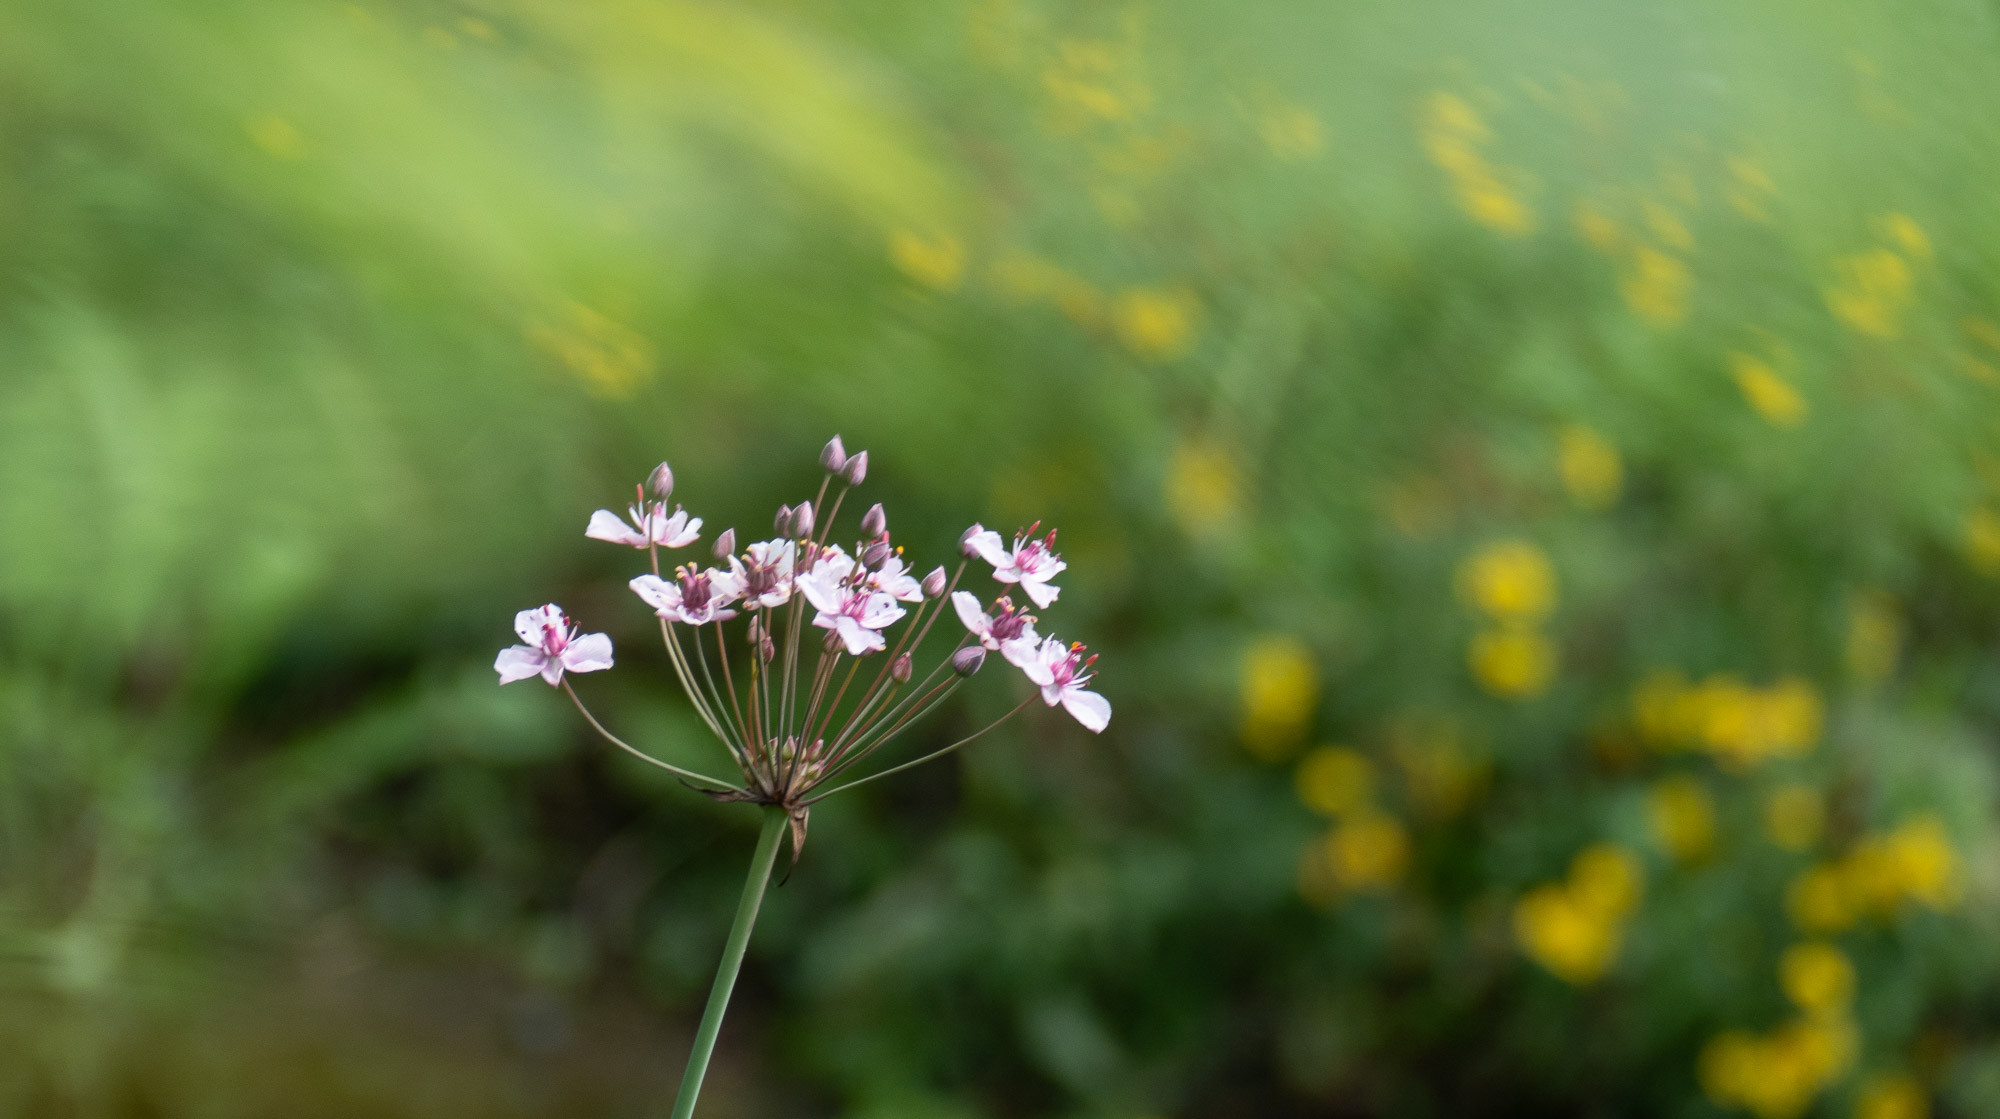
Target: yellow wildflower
{"points": [[936, 262], [1511, 580], [1750, 187], [1494, 205], [1982, 541], [1597, 228], [1095, 80], [1872, 290], [1874, 635], [1656, 286], [1776, 1077], [1925, 864], [1451, 115], [1666, 226], [1334, 781], [1771, 395], [1280, 689], [1683, 817], [1794, 816], [1292, 132], [276, 137], [1592, 472], [1574, 942], [1203, 486], [609, 358], [1664, 711], [1368, 851], [1907, 235], [1817, 977], [1512, 663], [1154, 324], [1606, 878], [1892, 1096], [1819, 901]]}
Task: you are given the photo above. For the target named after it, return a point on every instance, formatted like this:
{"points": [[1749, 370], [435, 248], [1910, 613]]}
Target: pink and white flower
{"points": [[1007, 631], [1062, 671], [837, 588], [1031, 562], [893, 578], [553, 645], [692, 597], [650, 526], [765, 573]]}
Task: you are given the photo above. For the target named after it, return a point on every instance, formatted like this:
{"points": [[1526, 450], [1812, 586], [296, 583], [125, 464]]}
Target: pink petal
{"points": [[589, 653], [609, 526], [1041, 594], [990, 548], [969, 613], [1089, 708], [552, 670], [530, 624], [657, 593], [518, 662], [858, 639]]}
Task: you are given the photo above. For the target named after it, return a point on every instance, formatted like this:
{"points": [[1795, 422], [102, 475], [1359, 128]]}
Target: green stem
{"points": [[732, 961]]}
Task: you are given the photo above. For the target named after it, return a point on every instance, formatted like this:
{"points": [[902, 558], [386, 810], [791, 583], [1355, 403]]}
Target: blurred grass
{"points": [[1530, 468]]}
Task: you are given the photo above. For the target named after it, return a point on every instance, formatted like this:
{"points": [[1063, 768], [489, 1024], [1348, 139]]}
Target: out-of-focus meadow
{"points": [[1531, 470]]}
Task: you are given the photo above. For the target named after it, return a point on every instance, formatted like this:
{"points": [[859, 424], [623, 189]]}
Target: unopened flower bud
{"points": [[934, 582], [855, 468], [968, 660], [661, 481], [833, 456], [767, 649], [900, 669], [965, 547], [832, 641], [874, 522], [802, 521], [876, 554], [782, 523], [725, 544]]}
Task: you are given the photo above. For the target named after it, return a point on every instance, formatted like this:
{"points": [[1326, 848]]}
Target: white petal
{"points": [[589, 653], [825, 594], [677, 536], [1051, 694], [988, 544], [662, 596], [532, 625], [969, 613], [880, 610], [1041, 594], [859, 640], [1020, 652], [552, 670], [518, 662], [1090, 709], [606, 525]]}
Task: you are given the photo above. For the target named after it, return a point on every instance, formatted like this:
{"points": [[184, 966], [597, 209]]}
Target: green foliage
{"points": [[1530, 470]]}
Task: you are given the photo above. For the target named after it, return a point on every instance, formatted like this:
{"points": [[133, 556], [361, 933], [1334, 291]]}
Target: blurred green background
{"points": [[1531, 470]]}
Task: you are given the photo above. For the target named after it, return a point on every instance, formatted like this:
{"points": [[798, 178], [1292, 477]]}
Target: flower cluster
{"points": [[781, 703]]}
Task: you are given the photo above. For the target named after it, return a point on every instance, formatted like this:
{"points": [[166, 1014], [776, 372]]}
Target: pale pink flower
{"points": [[1007, 631], [837, 588], [650, 526], [692, 597], [765, 573], [552, 646], [1062, 671], [1031, 562], [893, 578]]}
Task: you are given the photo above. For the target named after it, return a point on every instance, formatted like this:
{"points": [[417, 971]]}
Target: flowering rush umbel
{"points": [[821, 671]]}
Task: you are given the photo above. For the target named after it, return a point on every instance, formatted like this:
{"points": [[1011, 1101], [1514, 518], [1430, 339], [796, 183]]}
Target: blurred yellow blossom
{"points": [[1656, 286], [1598, 229], [1291, 131], [1892, 1096], [1574, 928], [1512, 663], [1982, 541], [1818, 900], [1903, 231], [1777, 1076], [1794, 816], [1750, 188], [276, 137], [1874, 635], [609, 358], [1738, 724], [1913, 861], [1204, 488], [1280, 691], [1092, 80], [1452, 135], [1369, 850], [1771, 395], [1592, 472], [1666, 226], [937, 261], [1441, 775], [1334, 781], [1510, 580], [1870, 293], [1682, 814], [1926, 863], [1155, 324], [1817, 977]]}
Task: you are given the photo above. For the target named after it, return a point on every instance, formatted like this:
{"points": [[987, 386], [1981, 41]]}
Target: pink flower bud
{"points": [[965, 547], [900, 669], [855, 468], [968, 660], [661, 481], [933, 583], [833, 456], [725, 544], [832, 642], [782, 523], [874, 522], [876, 554], [802, 521], [767, 649]]}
